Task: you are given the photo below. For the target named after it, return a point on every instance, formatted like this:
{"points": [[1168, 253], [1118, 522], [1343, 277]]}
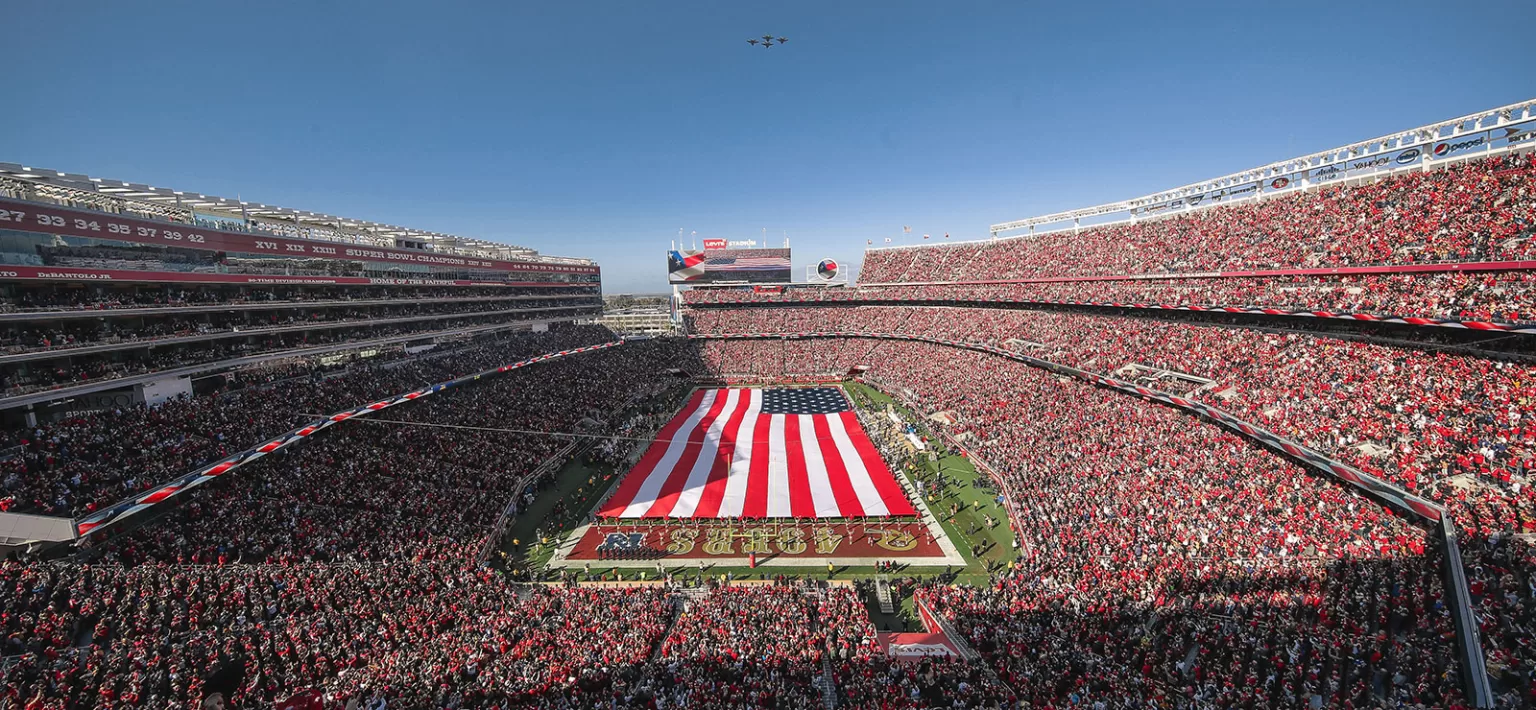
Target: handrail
{"points": [[509, 511], [1469, 643]]}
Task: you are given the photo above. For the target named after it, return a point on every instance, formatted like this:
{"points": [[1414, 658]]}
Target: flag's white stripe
{"points": [[735, 499], [816, 469], [778, 469], [863, 485], [651, 488], [693, 488]]}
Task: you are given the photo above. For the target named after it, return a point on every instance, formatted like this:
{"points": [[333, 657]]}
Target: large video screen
{"points": [[716, 265]]}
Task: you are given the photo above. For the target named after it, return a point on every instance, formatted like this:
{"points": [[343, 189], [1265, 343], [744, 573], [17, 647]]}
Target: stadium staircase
{"points": [[883, 596], [828, 683], [677, 603]]}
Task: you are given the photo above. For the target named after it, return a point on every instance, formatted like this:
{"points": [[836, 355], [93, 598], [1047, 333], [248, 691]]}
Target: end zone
{"points": [[772, 544]]}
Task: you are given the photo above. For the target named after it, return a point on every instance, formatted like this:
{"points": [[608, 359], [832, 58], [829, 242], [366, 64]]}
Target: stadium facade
{"points": [[81, 256], [120, 295]]}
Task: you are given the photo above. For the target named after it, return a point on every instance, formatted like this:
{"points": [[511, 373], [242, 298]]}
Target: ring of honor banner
{"points": [[761, 453], [71, 273]]}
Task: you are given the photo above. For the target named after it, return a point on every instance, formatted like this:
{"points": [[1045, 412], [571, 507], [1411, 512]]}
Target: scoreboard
{"points": [[719, 265]]}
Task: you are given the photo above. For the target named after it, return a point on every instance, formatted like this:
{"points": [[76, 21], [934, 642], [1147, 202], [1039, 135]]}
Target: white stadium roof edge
{"points": [[166, 198], [1450, 128], [1522, 111]]}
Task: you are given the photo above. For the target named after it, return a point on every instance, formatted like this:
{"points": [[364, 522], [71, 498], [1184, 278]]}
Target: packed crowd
{"points": [[306, 570], [443, 636], [1163, 561], [164, 329], [43, 298], [411, 635], [867, 678], [787, 645], [1480, 210], [456, 456], [747, 647], [1131, 511], [1416, 417], [73, 466], [747, 361], [1498, 296], [54, 370], [1483, 210], [1454, 428]]}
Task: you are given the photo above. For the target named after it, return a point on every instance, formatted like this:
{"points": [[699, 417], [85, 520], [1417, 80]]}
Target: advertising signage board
{"points": [[50, 219]]}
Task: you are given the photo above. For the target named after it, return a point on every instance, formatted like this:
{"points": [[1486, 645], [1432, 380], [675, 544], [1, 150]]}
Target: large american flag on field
{"points": [[760, 453]]}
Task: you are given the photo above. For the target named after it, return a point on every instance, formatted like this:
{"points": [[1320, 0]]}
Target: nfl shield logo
{"points": [[621, 542]]}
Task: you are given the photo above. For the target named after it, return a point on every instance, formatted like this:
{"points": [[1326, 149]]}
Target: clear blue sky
{"points": [[600, 128]]}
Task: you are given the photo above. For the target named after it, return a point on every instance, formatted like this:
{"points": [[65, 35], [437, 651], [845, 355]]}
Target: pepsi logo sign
{"points": [[1447, 148]]}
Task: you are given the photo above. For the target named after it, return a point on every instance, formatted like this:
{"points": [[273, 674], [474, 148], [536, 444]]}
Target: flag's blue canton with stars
{"points": [[814, 400]]}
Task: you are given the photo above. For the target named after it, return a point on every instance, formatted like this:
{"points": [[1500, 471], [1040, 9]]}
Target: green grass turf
{"points": [[996, 544], [572, 487]]}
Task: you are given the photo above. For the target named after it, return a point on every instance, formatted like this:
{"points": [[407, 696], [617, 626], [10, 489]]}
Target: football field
{"points": [[782, 477]]}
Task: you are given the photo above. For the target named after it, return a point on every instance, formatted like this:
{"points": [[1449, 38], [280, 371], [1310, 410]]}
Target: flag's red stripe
{"points": [[756, 504], [848, 504], [678, 476], [714, 488], [653, 453], [890, 491], [801, 504]]}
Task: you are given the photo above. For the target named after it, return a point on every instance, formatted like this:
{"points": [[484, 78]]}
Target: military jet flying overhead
{"points": [[767, 41]]}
